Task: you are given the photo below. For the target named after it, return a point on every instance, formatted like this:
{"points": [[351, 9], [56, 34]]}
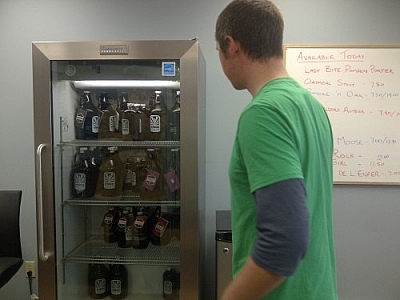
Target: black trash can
{"points": [[223, 242]]}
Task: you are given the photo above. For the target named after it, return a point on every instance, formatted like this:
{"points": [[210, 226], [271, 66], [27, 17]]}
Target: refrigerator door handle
{"points": [[39, 203]]}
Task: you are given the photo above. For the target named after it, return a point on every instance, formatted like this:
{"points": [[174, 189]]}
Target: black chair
{"points": [[10, 239]]}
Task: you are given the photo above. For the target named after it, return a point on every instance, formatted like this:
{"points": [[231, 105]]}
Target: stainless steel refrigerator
{"points": [[120, 159]]}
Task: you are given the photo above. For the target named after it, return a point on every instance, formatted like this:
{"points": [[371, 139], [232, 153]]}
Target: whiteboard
{"points": [[359, 86]]}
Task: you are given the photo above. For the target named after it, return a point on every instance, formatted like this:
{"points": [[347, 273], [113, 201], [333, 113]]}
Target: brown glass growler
{"points": [[130, 178], [110, 223], [84, 174], [109, 121], [97, 281], [118, 280], [174, 119], [157, 119], [171, 284], [161, 231], [141, 230], [111, 175], [153, 183], [128, 123], [87, 118], [125, 229]]}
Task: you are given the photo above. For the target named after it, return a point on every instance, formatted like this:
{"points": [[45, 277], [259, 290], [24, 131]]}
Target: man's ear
{"points": [[232, 45]]}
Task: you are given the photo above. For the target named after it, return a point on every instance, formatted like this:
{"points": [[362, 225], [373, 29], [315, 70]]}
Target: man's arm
{"points": [[251, 283], [282, 223]]}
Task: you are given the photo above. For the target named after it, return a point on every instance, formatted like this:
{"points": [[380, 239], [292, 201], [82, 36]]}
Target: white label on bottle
{"points": [[100, 286], [139, 222], [122, 223], [108, 219], [95, 124], [134, 182], [80, 118], [167, 287], [112, 120], [155, 123], [129, 233], [116, 287], [125, 126], [80, 182], [140, 125], [109, 180], [128, 176]]}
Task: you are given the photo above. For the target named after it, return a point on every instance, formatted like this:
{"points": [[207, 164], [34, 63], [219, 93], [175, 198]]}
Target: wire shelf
{"points": [[95, 250], [118, 143]]}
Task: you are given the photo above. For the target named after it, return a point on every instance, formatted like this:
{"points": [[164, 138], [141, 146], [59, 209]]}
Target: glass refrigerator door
{"points": [[116, 156]]}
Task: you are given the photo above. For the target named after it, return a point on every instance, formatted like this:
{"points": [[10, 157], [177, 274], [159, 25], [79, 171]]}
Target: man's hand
{"points": [[252, 283]]}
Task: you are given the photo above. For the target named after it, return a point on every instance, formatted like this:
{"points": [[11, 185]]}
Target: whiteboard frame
{"points": [[351, 46]]}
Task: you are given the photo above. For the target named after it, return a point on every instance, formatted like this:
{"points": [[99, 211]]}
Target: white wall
{"points": [[367, 229]]}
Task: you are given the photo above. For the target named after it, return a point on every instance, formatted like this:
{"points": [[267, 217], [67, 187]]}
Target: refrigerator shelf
{"points": [[127, 198], [95, 250], [117, 143], [121, 202]]}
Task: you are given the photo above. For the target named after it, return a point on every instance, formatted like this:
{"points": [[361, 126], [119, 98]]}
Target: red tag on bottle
{"points": [[172, 180], [160, 227], [151, 180]]}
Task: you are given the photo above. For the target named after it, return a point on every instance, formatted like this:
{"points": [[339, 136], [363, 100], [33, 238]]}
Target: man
{"points": [[280, 169]]}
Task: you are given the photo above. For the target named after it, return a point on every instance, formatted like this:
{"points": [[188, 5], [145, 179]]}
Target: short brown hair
{"points": [[256, 24]]}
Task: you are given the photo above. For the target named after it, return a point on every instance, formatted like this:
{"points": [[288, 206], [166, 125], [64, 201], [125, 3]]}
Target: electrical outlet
{"points": [[30, 266]]}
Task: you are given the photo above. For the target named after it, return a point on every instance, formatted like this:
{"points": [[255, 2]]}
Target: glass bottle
{"points": [[157, 119], [122, 103], [97, 281], [130, 179], [83, 174], [153, 183], [121, 229], [171, 285], [128, 123], [87, 118], [118, 282], [111, 175], [161, 231], [129, 231], [110, 219], [174, 121], [141, 230], [109, 118], [79, 173]]}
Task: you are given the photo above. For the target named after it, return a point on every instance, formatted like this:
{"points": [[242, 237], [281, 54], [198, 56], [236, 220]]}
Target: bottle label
{"points": [[133, 182], [129, 233], [140, 126], [112, 120], [108, 218], [109, 180], [155, 123], [125, 126], [80, 118], [172, 180], [151, 180], [100, 286], [139, 221], [116, 287], [80, 182], [172, 129], [129, 174], [167, 287], [160, 227], [95, 124], [122, 223]]}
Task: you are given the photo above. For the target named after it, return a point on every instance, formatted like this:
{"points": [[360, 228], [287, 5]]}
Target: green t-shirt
{"points": [[284, 133]]}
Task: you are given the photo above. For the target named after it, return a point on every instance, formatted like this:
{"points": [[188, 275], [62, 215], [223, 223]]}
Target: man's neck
{"points": [[260, 73]]}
